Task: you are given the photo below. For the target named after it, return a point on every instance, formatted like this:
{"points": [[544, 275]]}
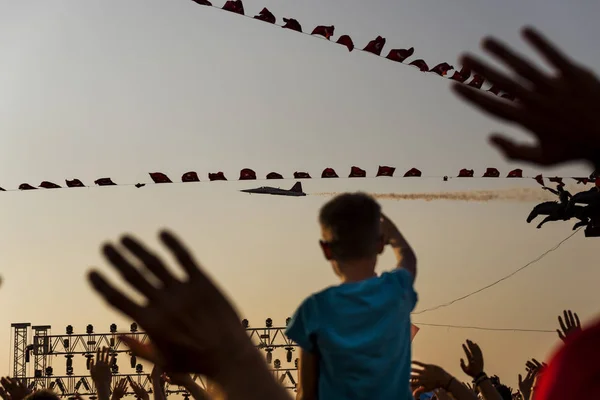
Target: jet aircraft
{"points": [[296, 190]]}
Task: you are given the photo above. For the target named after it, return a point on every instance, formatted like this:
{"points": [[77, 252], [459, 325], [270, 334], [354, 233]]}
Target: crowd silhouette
{"points": [[355, 337]]}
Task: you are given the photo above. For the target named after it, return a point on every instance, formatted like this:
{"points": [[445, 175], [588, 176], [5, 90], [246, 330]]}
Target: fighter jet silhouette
{"points": [[296, 190]]}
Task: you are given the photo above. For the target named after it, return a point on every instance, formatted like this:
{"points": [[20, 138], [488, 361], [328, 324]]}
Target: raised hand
{"points": [[569, 325], [139, 392], [535, 365], [191, 325], [13, 389], [526, 384], [427, 377], [474, 364], [120, 390], [560, 111], [101, 373]]}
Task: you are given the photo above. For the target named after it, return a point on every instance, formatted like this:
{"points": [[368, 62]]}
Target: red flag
{"points": [[375, 46], [400, 55], [421, 64], [266, 16], [325, 31], [104, 182], [442, 69], [462, 75], [247, 174], [491, 173], [477, 81], [26, 186], [466, 173], [49, 185], [539, 179], [301, 175], [508, 96], [274, 175], [412, 172], [494, 90], [413, 331], [356, 172], [292, 24], [191, 176], [217, 176], [585, 181], [139, 185], [74, 183], [557, 179], [159, 177], [386, 171], [203, 2], [235, 6], [515, 173], [345, 40], [329, 173]]}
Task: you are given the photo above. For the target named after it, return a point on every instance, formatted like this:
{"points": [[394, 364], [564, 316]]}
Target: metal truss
{"points": [[79, 349]]}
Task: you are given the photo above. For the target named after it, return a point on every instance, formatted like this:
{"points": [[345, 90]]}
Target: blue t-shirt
{"points": [[361, 333]]}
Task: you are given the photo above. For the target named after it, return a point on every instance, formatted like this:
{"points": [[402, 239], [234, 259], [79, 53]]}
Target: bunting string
{"points": [[247, 174], [374, 47]]}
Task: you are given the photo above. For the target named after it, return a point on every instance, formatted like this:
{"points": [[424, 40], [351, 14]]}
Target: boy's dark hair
{"points": [[354, 220], [43, 395]]}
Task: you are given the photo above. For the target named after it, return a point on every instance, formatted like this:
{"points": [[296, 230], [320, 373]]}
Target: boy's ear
{"points": [[380, 244], [326, 250]]}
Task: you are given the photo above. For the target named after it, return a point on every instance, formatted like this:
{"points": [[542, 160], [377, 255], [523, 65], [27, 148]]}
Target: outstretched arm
{"points": [[551, 190], [308, 375], [405, 255]]}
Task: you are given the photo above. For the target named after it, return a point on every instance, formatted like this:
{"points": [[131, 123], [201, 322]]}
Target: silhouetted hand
{"points": [[474, 365], [427, 377], [14, 389], [120, 390], [139, 392], [525, 385], [535, 365], [560, 111], [191, 325], [100, 368], [569, 325]]}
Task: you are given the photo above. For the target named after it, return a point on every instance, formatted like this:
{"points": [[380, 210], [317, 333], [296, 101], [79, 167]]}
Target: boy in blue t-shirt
{"points": [[355, 338]]}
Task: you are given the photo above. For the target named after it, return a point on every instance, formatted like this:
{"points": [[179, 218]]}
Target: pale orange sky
{"points": [[102, 88]]}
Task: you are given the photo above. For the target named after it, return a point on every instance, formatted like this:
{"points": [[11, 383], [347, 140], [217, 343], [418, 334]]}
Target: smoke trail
{"points": [[483, 196]]}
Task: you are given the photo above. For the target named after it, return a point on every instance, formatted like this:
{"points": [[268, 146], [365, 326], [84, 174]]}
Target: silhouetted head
{"points": [[43, 395], [351, 230]]}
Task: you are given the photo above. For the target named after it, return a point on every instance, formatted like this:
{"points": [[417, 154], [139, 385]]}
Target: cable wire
{"points": [[499, 280], [480, 328]]}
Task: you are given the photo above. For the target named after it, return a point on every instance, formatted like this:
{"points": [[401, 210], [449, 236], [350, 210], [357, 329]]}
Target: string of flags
{"points": [[374, 47], [247, 174]]}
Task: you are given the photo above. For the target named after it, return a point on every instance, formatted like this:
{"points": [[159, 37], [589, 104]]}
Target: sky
{"points": [[106, 88]]}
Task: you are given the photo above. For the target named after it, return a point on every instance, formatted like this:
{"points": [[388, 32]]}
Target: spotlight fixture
{"points": [[88, 361], [133, 361], [37, 373], [269, 351], [113, 328], [49, 371], [296, 363], [245, 323], [115, 369], [69, 329], [112, 342], [277, 364], [66, 344], [288, 355], [139, 369], [89, 329], [69, 358], [134, 327], [269, 323]]}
